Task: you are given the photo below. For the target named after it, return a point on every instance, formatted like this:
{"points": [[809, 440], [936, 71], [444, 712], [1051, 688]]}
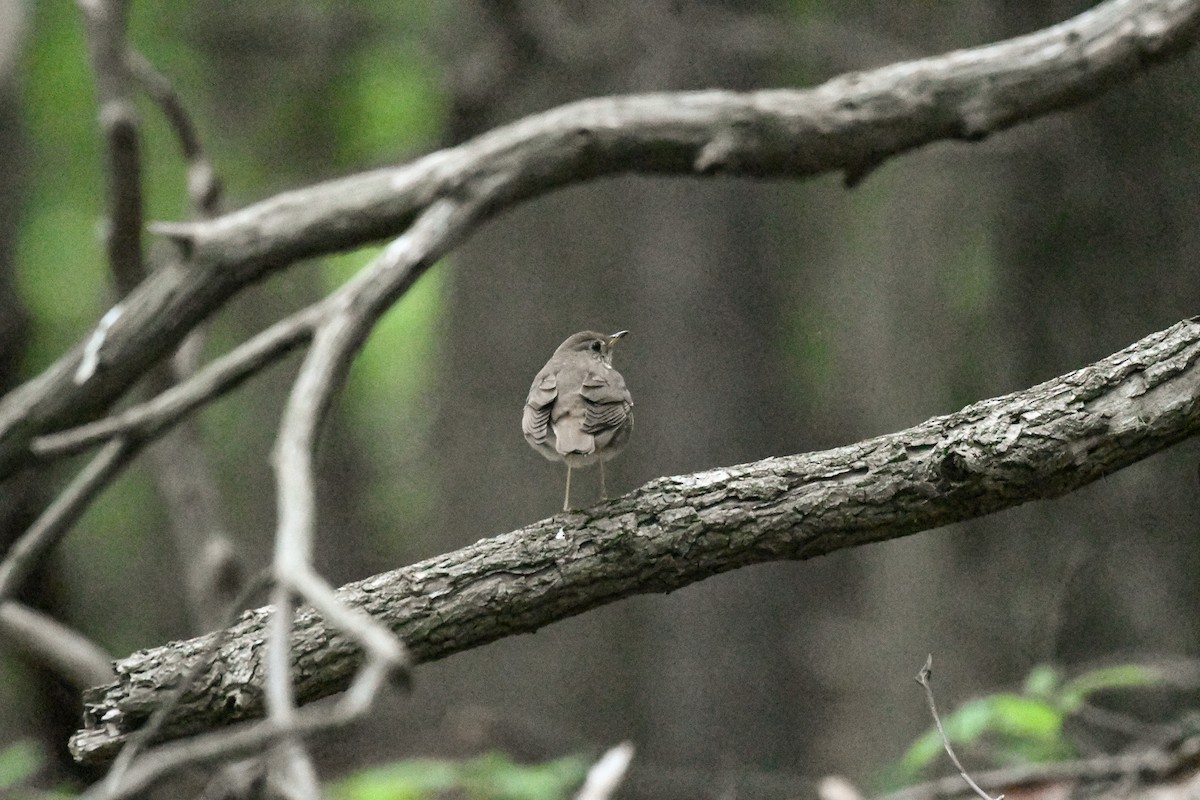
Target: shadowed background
{"points": [[765, 318]]}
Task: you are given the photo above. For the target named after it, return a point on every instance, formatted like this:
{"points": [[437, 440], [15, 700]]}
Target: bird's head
{"points": [[600, 345]]}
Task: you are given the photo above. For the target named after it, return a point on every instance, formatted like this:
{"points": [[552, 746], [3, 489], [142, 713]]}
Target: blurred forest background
{"points": [[766, 317]]}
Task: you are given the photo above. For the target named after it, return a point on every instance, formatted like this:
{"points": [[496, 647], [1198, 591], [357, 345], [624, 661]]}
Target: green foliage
{"points": [[1020, 728], [18, 762], [1074, 692], [394, 104], [489, 777], [58, 256]]}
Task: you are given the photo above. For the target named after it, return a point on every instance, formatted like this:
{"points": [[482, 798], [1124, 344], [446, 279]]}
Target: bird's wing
{"points": [[537, 407], [608, 401]]}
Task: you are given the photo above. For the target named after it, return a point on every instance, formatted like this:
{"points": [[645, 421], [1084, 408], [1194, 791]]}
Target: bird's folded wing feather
{"points": [[608, 401], [537, 407]]}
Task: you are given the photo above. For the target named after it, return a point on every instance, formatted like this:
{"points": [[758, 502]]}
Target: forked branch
{"points": [[849, 124]]}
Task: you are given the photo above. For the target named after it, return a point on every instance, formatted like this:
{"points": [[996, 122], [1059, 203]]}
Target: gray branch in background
{"points": [[105, 22], [204, 185], [1042, 442], [69, 654], [182, 472], [850, 124]]}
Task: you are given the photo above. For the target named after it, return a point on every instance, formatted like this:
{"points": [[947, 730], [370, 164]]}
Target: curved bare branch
{"points": [[850, 124], [997, 453]]}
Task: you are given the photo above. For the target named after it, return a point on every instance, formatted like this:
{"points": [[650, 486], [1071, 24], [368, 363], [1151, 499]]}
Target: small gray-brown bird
{"points": [[578, 410]]}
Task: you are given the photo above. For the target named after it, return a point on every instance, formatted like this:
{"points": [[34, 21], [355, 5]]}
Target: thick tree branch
{"points": [[148, 419], [673, 531], [851, 124]]}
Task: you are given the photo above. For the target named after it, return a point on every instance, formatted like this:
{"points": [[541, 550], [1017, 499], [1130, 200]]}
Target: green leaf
{"points": [[402, 780], [489, 777], [1122, 676], [1017, 729], [1043, 681], [495, 777], [1020, 728]]}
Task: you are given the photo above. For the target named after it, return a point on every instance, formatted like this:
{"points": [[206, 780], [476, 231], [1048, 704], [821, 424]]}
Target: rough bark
{"points": [[852, 124], [998, 453]]}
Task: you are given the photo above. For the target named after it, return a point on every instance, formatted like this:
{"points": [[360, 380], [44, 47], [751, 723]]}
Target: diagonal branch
{"points": [[52, 525], [1039, 443], [73, 657], [849, 124], [148, 419]]}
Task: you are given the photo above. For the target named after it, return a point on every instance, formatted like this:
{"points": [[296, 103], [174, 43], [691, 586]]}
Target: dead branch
{"points": [[1039, 443], [850, 124]]}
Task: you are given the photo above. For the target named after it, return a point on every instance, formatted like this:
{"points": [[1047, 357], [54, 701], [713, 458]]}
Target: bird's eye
{"points": [[596, 347]]}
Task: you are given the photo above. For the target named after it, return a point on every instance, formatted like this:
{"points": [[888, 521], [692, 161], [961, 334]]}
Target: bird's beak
{"points": [[612, 340]]}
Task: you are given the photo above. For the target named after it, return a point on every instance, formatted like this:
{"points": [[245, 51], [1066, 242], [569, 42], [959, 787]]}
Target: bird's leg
{"points": [[567, 496], [603, 488]]}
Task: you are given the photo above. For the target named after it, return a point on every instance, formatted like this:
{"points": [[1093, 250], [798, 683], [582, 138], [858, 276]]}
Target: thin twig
{"points": [[923, 678], [288, 766], [49, 528], [204, 186], [349, 315], [1148, 766], [291, 772]]}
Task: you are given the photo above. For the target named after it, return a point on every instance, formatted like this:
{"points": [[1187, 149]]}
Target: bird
{"points": [[578, 410]]}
